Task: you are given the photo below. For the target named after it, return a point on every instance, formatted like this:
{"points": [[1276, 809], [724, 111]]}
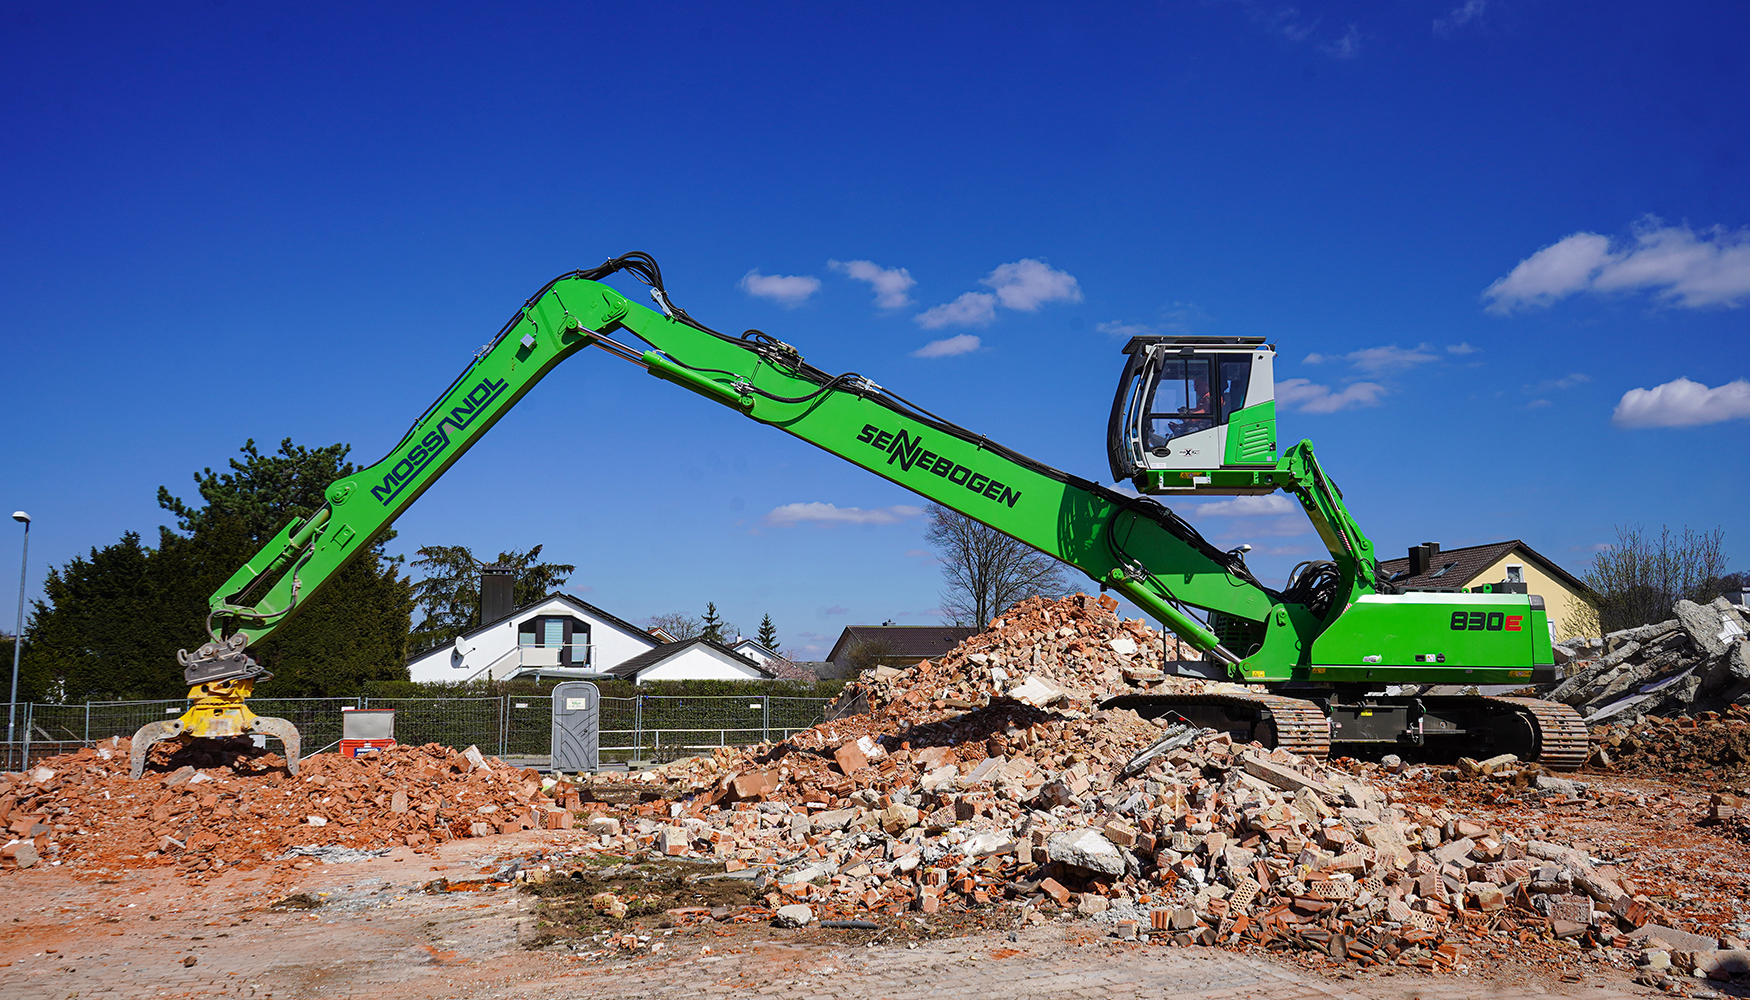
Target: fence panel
{"points": [[644, 728], [99, 720], [619, 730], [668, 727], [528, 725], [450, 722], [792, 714], [317, 719]]}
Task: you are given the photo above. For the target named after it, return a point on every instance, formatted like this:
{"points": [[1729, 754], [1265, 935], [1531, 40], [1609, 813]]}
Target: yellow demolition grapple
{"points": [[221, 677]]}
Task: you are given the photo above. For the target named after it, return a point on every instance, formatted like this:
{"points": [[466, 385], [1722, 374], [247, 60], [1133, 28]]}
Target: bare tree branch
{"points": [[986, 571]]}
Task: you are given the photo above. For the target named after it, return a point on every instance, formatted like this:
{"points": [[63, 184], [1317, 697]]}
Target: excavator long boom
{"points": [[1127, 543], [1330, 627]]}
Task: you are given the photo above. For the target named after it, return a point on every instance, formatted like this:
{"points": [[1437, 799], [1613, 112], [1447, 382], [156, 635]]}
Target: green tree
{"points": [[110, 624], [768, 634], [713, 627], [448, 596], [263, 492]]}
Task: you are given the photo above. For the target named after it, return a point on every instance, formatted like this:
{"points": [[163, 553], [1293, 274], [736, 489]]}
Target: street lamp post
{"points": [[18, 637]]}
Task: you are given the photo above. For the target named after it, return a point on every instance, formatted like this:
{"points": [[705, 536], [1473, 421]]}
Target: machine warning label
{"points": [[910, 454], [437, 440]]}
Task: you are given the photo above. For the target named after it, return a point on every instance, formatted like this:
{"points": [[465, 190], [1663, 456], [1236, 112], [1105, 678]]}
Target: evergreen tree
{"points": [[449, 595], [110, 624], [768, 634], [713, 627]]}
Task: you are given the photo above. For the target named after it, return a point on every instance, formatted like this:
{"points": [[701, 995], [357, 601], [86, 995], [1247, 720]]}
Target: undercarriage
{"points": [[1352, 723]]}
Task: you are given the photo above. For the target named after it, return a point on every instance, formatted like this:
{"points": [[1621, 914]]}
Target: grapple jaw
{"points": [[220, 678]]}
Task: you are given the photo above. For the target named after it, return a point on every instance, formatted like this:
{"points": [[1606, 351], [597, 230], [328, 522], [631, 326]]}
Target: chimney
{"points": [[1433, 549], [496, 586], [1420, 558]]}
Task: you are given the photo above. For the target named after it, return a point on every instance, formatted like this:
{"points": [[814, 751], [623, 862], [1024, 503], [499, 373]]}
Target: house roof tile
{"points": [[578, 603], [1451, 569], [630, 669], [925, 642]]}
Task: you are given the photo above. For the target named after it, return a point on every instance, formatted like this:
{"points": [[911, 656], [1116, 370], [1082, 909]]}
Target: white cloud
{"points": [[1390, 358], [1676, 263], [1268, 527], [1028, 284], [890, 283], [1682, 403], [1269, 505], [1565, 382], [971, 309], [1176, 318], [1346, 47], [1379, 360], [1460, 16], [1560, 269], [1114, 328], [1310, 397], [1461, 349], [1286, 20], [816, 512], [1538, 404], [1024, 286], [965, 343], [785, 289]]}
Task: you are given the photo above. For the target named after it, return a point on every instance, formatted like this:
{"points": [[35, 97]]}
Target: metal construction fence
{"points": [[643, 728]]}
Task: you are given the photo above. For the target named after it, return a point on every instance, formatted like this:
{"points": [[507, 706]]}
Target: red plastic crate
{"points": [[352, 748]]}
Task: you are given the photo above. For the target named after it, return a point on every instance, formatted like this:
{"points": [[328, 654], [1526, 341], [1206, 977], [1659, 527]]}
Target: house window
{"points": [[553, 632], [1515, 574], [1441, 571]]}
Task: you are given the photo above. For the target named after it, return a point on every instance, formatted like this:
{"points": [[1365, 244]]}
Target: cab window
{"points": [[1236, 375], [1179, 401]]}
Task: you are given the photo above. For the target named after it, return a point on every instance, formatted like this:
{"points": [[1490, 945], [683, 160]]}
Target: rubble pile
{"points": [[985, 783], [1041, 652], [1708, 748], [1190, 839], [960, 792], [82, 810], [1697, 661]]}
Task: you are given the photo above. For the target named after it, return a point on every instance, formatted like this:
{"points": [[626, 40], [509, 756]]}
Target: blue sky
{"points": [[1504, 248]]}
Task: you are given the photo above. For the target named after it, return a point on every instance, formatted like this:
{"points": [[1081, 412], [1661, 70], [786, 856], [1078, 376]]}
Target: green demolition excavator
{"points": [[1193, 416]]}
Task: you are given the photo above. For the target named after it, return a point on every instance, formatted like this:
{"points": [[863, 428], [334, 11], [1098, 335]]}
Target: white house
{"points": [[755, 652], [557, 636], [691, 660]]}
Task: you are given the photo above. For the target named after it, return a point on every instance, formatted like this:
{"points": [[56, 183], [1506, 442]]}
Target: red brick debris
{"points": [[83, 812], [986, 780]]}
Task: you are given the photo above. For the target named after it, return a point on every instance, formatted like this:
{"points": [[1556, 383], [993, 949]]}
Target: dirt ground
{"points": [[440, 925]]}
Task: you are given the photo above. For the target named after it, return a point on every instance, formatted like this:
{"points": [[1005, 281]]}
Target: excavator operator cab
{"points": [[1191, 408]]}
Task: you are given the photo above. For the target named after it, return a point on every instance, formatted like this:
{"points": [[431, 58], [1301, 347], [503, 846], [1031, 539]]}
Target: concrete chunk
{"points": [[1285, 778], [1035, 692], [1678, 940], [1087, 849]]}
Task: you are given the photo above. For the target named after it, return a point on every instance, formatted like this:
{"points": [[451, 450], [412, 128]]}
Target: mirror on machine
{"points": [[1190, 405]]}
